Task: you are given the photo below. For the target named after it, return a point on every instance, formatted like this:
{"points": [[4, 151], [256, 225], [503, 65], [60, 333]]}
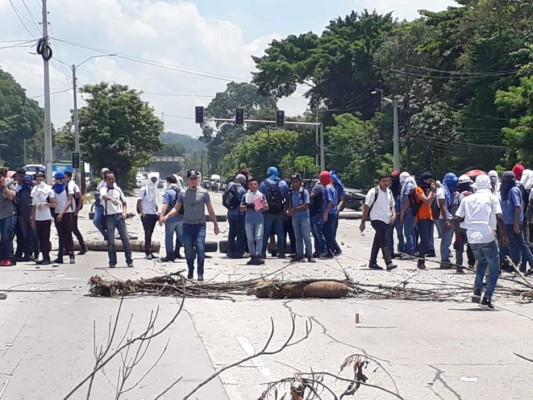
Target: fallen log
{"points": [[291, 290], [101, 245]]}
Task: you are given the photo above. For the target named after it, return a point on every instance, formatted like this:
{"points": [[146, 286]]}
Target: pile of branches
{"points": [[175, 284]]}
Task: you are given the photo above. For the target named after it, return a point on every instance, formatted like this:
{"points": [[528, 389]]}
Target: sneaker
{"points": [[82, 251], [72, 260], [44, 262], [200, 278], [166, 259], [297, 258], [260, 261], [251, 261], [281, 255], [445, 265], [476, 297], [256, 261], [459, 270], [130, 265], [22, 259], [391, 266], [486, 304], [58, 260], [112, 265], [148, 257], [316, 255], [406, 257], [338, 252], [523, 268], [375, 266], [311, 260], [421, 264], [7, 263], [327, 255], [190, 275], [431, 254], [529, 272]]}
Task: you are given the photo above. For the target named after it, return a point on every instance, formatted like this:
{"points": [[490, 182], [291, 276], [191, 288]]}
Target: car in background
{"points": [[354, 198]]}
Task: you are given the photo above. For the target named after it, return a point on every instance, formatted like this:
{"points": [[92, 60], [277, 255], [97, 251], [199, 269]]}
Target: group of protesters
{"points": [[488, 216], [27, 207]]}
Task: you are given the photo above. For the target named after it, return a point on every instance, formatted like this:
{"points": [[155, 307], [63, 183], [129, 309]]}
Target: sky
{"points": [[199, 46]]}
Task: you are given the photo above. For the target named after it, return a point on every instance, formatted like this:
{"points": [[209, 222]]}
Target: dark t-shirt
{"points": [[317, 202]]}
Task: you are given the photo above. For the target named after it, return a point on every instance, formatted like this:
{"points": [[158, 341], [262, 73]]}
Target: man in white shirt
{"points": [[99, 218], [114, 203], [148, 207], [78, 205], [64, 217], [43, 199], [479, 212], [445, 222], [380, 211]]}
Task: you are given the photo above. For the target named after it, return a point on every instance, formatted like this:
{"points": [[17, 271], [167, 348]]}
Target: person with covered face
{"points": [[99, 217], [407, 218], [464, 189], [445, 195], [43, 201], [513, 216], [148, 208], [24, 232], [7, 221], [330, 215], [396, 190], [423, 196], [64, 217], [481, 212]]}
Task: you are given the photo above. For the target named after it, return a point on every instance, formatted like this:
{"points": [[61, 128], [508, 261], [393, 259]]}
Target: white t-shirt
{"points": [[382, 209], [149, 206], [116, 193], [479, 212], [441, 195], [62, 199], [40, 195]]}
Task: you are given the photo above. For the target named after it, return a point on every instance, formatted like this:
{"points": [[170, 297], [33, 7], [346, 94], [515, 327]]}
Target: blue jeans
{"points": [[113, 222], [274, 224], [236, 235], [172, 227], [446, 236], [329, 234], [518, 247], [194, 242], [317, 226], [409, 232], [99, 220], [399, 233], [7, 230], [487, 256], [302, 233], [254, 235], [424, 227]]}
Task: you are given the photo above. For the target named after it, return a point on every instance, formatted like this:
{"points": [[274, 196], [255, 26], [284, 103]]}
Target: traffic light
{"points": [[76, 160], [239, 116], [199, 115], [280, 118]]}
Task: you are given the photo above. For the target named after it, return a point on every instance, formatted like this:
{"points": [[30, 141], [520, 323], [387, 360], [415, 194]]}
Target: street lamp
{"points": [[396, 131], [74, 68]]}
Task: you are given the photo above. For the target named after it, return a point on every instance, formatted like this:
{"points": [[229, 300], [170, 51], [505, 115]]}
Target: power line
{"points": [[155, 63], [31, 14], [29, 43], [177, 116], [20, 19], [56, 92]]}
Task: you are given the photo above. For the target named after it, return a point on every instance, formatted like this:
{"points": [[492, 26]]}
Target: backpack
{"points": [[230, 198], [172, 203], [413, 203], [376, 194], [275, 198], [435, 209]]}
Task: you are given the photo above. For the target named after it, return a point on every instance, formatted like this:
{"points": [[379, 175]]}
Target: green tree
{"points": [[338, 66], [171, 149], [221, 137], [117, 130], [20, 118], [306, 166]]}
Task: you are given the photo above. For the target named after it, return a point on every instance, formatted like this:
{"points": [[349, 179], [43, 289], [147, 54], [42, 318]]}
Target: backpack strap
{"points": [[376, 195]]}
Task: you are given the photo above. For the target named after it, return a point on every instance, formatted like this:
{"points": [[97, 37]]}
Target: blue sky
{"points": [[217, 37]]}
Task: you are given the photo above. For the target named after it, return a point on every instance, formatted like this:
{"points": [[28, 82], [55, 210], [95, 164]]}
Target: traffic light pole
{"points": [[317, 125]]}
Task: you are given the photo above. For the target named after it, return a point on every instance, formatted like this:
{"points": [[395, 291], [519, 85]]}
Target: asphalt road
{"points": [[432, 350]]}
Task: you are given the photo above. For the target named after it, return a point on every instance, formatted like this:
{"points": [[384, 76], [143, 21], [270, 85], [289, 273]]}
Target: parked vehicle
{"points": [[354, 198]]}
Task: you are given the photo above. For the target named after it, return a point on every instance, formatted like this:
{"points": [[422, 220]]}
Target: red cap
{"points": [[325, 178], [518, 169], [395, 173]]}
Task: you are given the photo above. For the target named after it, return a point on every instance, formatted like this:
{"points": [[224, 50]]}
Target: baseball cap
{"points": [[192, 173], [59, 175]]}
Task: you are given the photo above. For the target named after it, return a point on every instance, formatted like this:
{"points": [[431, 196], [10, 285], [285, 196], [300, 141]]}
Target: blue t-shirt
{"points": [[298, 198], [408, 188], [283, 188], [508, 206], [330, 194], [170, 197], [240, 192]]}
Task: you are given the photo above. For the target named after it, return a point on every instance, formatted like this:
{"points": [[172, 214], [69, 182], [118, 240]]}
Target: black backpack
{"points": [[230, 198], [275, 198], [172, 204]]}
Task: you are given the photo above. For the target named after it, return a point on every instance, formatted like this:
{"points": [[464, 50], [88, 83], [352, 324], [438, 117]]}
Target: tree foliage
{"points": [[118, 130], [20, 118]]}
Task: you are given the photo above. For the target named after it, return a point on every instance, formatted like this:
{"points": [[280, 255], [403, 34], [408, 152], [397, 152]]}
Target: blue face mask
{"points": [[59, 186]]}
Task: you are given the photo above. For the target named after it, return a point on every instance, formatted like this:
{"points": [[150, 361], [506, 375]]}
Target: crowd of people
{"points": [[488, 216]]}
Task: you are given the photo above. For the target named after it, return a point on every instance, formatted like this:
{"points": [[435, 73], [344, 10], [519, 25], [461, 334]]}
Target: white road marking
{"points": [[258, 362]]}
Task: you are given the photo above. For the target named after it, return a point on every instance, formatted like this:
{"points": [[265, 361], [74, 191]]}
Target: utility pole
{"points": [[396, 137], [322, 148], [76, 122], [317, 155], [47, 118], [25, 154]]}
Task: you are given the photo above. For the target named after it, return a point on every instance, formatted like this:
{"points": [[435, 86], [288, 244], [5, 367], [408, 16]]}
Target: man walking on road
{"points": [[173, 225], [99, 217], [480, 212], [64, 217], [445, 195], [232, 200], [148, 208], [78, 205], [330, 216], [115, 211], [43, 199], [194, 200], [380, 211]]}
